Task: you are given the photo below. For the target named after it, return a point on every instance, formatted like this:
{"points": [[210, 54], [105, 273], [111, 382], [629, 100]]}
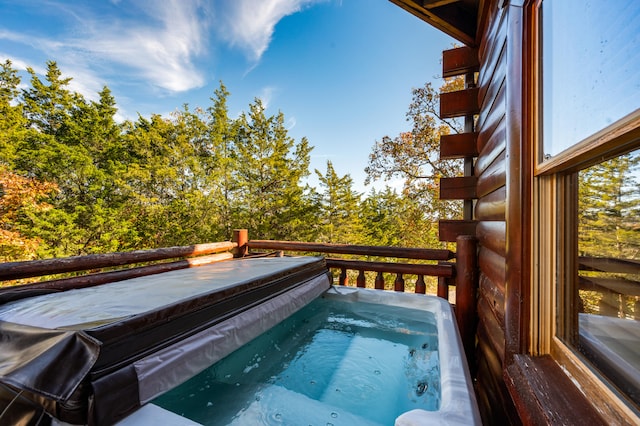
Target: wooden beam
{"points": [[544, 394], [459, 103], [449, 230], [240, 238], [617, 285], [458, 145], [609, 264], [430, 4], [458, 188], [466, 293], [383, 251], [37, 268], [459, 61], [457, 21], [440, 270]]}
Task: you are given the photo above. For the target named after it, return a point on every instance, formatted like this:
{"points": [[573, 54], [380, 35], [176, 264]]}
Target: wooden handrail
{"points": [[381, 251], [394, 268], [90, 280], [609, 264], [37, 268]]}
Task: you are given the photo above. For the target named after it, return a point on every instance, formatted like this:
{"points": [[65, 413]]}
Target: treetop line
{"points": [[74, 181]]}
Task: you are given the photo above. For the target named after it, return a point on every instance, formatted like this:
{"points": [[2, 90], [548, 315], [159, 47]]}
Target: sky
{"points": [[341, 71]]}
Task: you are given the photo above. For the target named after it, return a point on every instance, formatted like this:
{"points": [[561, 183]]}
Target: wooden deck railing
{"points": [[443, 269], [182, 257]]}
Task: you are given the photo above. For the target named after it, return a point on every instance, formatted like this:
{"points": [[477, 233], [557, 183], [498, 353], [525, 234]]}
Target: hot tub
{"points": [[111, 353], [352, 356]]}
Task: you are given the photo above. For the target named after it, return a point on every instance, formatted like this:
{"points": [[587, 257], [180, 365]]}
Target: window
{"points": [[608, 284], [590, 67], [588, 187]]}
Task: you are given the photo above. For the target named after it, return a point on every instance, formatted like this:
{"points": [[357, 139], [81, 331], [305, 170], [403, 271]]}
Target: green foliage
{"points": [[396, 220], [609, 227], [609, 205], [339, 217], [270, 169], [75, 181]]}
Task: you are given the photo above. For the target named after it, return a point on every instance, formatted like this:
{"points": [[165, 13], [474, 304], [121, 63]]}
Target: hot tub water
{"points": [[331, 363]]}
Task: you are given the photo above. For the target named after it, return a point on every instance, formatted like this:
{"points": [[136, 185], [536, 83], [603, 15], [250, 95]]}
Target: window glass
{"points": [[609, 269], [591, 61]]}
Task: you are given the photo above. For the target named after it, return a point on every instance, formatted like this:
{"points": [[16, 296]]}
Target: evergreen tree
{"points": [[609, 206], [220, 161], [272, 202], [13, 125], [72, 143], [339, 208]]}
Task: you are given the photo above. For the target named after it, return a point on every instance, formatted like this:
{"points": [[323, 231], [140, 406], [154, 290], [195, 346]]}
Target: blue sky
{"points": [[341, 71]]}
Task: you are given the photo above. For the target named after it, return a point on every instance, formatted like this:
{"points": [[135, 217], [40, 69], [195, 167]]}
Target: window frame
{"points": [[554, 246]]}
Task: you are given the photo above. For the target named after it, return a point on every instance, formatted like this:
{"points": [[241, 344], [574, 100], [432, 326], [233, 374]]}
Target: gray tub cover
{"points": [[95, 354]]}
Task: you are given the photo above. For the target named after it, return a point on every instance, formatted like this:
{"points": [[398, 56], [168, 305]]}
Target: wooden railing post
{"points": [[443, 285], [240, 237], [399, 282], [361, 281], [466, 288], [421, 286], [443, 288], [344, 280], [379, 282]]}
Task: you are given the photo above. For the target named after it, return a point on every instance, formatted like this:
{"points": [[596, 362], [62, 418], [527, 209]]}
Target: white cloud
{"points": [[160, 42], [249, 24], [21, 64], [266, 95], [161, 49], [291, 122]]}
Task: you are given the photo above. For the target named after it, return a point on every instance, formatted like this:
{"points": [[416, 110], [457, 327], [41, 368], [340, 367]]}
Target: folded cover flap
{"points": [[51, 363]]}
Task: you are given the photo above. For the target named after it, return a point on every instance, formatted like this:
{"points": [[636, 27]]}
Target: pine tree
{"points": [[339, 216], [272, 202], [220, 161], [13, 125], [609, 206]]}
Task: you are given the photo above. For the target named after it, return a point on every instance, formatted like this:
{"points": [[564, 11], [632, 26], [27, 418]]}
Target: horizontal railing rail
{"points": [[38, 268], [377, 251], [617, 280], [609, 264]]}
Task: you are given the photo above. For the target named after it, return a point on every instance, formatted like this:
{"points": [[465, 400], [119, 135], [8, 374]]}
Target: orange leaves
{"points": [[18, 194]]}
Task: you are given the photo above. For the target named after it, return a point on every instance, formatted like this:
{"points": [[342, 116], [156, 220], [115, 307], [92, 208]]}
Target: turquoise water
{"points": [[331, 363]]}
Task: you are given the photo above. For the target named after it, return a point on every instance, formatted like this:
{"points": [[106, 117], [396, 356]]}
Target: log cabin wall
{"points": [[500, 183], [498, 210], [495, 184]]}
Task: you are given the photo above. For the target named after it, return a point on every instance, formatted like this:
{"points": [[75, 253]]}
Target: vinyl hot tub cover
{"points": [[96, 354]]}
